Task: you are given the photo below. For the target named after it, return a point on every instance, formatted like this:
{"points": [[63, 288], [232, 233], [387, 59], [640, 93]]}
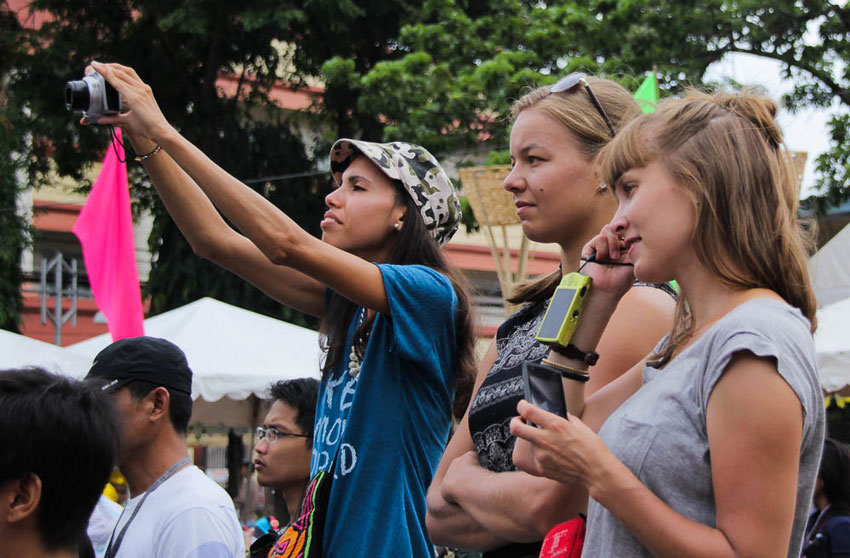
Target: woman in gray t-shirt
{"points": [[710, 446]]}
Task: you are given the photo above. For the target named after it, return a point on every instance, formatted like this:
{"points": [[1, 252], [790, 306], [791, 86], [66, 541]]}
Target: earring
{"points": [[397, 226]]}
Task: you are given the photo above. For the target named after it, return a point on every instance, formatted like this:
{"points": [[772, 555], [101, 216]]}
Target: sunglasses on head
{"points": [[568, 82]]}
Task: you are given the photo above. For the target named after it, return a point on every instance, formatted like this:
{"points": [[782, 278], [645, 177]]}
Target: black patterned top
{"points": [[494, 405]]}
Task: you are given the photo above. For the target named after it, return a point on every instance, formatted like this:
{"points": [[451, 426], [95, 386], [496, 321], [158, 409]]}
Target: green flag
{"points": [[647, 94]]}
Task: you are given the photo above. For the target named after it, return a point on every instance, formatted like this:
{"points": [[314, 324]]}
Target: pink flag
{"points": [[105, 229]]}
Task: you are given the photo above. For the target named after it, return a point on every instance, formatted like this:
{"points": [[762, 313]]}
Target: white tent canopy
{"points": [[17, 351], [832, 342], [829, 269], [233, 353]]}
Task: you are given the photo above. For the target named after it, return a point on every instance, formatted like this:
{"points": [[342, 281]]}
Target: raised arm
{"points": [[274, 233], [212, 238]]}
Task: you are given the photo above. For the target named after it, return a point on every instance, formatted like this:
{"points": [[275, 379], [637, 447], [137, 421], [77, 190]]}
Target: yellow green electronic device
{"points": [[564, 310]]}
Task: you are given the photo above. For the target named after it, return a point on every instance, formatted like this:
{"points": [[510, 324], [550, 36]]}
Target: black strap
{"points": [[571, 351], [112, 551]]}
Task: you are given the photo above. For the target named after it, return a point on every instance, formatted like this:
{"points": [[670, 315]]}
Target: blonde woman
{"points": [[711, 444], [478, 499]]}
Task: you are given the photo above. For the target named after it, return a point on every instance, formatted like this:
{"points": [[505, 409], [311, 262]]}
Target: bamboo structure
{"points": [[495, 211]]}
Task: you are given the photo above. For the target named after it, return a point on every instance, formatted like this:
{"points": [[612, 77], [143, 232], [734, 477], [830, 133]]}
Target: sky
{"points": [[805, 130]]}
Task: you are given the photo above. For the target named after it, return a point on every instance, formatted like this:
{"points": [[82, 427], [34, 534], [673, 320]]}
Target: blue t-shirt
{"points": [[392, 420]]}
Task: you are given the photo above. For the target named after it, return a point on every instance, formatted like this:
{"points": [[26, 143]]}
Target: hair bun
{"points": [[756, 108]]}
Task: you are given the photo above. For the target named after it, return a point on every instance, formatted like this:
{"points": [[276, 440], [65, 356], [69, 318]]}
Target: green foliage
{"points": [[467, 216], [15, 164], [442, 73], [180, 50], [499, 157], [458, 68], [834, 169]]}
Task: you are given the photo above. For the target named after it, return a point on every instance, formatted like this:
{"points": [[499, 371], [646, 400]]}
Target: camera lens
{"points": [[77, 95]]}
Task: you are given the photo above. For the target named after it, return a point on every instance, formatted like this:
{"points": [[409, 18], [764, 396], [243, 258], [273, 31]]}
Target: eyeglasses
{"points": [[568, 82], [273, 435]]}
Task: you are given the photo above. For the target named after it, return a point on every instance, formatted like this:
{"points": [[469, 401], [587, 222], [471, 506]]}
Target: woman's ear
{"points": [[400, 218]]}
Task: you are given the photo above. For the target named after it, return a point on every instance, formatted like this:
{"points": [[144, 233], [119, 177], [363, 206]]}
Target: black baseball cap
{"points": [[149, 359]]}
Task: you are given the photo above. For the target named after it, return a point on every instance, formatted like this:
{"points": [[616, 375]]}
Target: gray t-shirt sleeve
{"points": [[782, 335], [660, 433]]}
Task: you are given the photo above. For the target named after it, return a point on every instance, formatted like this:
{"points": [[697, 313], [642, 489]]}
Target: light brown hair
{"points": [[574, 110], [726, 151]]}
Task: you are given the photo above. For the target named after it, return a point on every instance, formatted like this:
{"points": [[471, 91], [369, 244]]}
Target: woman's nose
{"points": [[619, 222], [513, 182], [332, 199]]}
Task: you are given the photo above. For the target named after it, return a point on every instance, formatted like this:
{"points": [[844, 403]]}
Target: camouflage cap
{"points": [[422, 176]]}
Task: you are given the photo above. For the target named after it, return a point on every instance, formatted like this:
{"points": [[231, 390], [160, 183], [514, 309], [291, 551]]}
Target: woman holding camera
{"points": [[710, 446], [478, 499], [390, 379]]}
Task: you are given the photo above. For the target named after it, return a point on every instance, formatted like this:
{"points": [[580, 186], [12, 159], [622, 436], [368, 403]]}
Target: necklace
{"points": [[354, 362]]}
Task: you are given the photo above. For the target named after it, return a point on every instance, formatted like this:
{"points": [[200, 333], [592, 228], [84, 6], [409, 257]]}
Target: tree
{"points": [[438, 72], [14, 160], [180, 50], [455, 72]]}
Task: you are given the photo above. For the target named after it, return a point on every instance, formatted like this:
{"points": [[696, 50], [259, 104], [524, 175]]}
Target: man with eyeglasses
{"points": [[174, 510], [285, 441]]}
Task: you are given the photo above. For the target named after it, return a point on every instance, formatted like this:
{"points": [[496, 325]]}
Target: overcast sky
{"points": [[805, 130]]}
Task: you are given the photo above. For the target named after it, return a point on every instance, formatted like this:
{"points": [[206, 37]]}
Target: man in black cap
{"points": [[174, 508]]}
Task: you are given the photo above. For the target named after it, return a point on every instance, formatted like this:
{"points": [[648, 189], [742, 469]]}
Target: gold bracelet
{"points": [[567, 371], [140, 158]]}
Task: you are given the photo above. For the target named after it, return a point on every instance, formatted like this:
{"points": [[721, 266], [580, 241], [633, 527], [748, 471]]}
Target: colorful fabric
{"points": [[303, 537], [105, 230], [390, 423], [419, 172], [647, 94]]}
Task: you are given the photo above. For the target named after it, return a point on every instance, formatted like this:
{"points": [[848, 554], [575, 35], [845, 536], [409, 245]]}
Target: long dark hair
{"points": [[414, 245]]}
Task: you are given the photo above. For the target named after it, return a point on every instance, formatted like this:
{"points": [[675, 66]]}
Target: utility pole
{"points": [[58, 266]]}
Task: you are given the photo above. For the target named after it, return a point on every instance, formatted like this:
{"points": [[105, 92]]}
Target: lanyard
{"points": [[112, 551]]}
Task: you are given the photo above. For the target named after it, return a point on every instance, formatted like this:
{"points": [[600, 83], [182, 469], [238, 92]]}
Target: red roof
{"points": [[479, 258], [27, 18], [282, 93]]}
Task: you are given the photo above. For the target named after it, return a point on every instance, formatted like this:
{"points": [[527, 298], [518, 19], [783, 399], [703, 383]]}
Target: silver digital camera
{"points": [[93, 96]]}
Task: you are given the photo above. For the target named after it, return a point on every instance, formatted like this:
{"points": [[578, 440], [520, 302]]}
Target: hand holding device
{"points": [[543, 388]]}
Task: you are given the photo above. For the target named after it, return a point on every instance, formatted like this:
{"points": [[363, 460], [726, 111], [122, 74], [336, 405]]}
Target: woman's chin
{"points": [[534, 234], [647, 274]]}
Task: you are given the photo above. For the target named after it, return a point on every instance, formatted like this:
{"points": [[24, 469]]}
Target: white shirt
{"points": [[187, 516], [101, 523]]}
